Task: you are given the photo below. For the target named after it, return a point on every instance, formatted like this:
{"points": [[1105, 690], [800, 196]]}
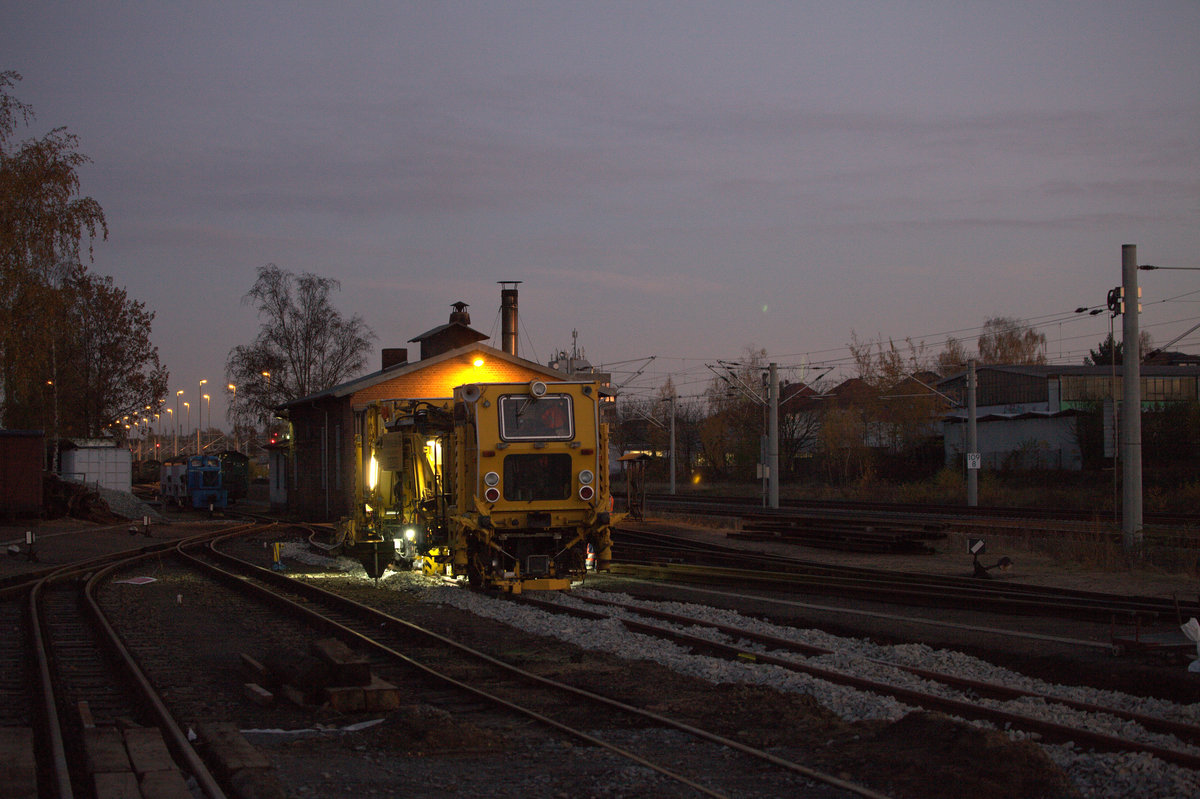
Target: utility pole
{"points": [[1131, 421], [672, 441], [773, 438], [973, 455]]}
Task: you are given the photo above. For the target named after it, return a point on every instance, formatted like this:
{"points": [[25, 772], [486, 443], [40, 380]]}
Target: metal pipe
{"points": [[508, 316]]}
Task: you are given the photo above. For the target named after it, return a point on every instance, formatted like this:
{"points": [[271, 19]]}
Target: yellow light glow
{"points": [[373, 473], [433, 448], [696, 479], [478, 362]]}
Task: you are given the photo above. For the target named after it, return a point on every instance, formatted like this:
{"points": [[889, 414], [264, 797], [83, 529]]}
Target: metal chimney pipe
{"points": [[508, 315]]}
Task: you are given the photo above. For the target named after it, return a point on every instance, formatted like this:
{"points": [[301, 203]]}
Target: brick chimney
{"points": [[393, 356]]}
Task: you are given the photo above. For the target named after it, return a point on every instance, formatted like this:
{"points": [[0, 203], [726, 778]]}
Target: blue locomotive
{"points": [[195, 481]]}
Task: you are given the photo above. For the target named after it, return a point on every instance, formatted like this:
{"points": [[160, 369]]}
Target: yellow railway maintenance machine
{"points": [[507, 485]]}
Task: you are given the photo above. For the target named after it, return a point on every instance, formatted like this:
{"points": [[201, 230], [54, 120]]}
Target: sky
{"points": [[681, 181]]}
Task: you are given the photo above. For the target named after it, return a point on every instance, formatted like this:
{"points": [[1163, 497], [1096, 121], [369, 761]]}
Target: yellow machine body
{"points": [[507, 485]]}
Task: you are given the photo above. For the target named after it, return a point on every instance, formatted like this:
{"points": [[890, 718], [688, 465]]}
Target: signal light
{"points": [[586, 493]]}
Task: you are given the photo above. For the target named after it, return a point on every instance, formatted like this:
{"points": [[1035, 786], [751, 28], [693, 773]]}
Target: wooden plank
{"points": [[258, 695], [116, 785], [226, 743], [381, 696], [238, 763], [105, 750], [164, 785], [347, 666], [18, 767], [255, 670], [346, 699], [147, 750]]}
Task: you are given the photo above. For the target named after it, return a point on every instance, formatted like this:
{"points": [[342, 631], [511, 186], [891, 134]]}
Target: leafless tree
{"points": [[304, 344], [1007, 340]]}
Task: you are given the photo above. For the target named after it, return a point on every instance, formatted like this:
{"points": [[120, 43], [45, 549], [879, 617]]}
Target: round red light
{"points": [[491, 495], [586, 493]]}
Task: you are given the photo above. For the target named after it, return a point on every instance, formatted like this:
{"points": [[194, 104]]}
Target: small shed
{"points": [[98, 462], [21, 453]]}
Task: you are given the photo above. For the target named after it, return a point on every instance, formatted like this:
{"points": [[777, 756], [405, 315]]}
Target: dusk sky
{"points": [[678, 180]]}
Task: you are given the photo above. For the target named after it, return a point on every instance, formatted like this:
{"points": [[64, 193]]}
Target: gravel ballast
{"points": [[1092, 774]]}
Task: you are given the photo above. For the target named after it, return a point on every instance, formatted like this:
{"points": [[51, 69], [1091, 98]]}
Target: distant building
{"points": [[1027, 415]]}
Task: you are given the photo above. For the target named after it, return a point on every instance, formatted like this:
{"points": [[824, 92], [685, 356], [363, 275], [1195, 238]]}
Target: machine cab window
{"points": [[545, 418]]}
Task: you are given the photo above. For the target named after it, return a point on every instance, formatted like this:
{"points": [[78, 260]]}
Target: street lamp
{"points": [[178, 418], [208, 402], [199, 423], [174, 426], [237, 444], [187, 406]]}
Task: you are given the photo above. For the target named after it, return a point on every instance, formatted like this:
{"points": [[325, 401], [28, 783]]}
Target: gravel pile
{"points": [[1093, 774], [126, 504]]}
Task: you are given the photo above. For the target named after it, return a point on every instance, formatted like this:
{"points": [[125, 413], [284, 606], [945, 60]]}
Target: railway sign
{"points": [[976, 546], [974, 460]]}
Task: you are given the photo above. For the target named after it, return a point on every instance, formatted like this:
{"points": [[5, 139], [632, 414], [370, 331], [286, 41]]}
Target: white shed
{"points": [[97, 462]]}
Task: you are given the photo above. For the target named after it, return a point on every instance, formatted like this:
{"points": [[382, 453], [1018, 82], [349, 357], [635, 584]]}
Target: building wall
{"points": [[1048, 442], [108, 467]]}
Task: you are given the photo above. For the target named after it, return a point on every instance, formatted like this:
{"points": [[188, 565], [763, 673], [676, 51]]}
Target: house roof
{"points": [[1058, 370], [467, 330], [499, 367]]}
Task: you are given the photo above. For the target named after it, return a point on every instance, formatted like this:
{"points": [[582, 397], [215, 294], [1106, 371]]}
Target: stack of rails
{"points": [[851, 535]]}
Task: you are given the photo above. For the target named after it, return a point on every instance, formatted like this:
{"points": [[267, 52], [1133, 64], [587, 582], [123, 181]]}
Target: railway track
{"points": [[1050, 716], [394, 641], [79, 718], [651, 554], [1183, 525]]}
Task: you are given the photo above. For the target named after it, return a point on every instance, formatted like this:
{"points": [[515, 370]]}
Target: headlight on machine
{"points": [[491, 479], [586, 477], [410, 534]]}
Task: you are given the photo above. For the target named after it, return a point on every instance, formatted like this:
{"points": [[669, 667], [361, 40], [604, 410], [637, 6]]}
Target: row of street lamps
{"points": [[187, 407]]}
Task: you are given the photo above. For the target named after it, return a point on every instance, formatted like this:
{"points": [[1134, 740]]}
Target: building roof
{"points": [[960, 415], [458, 327], [1060, 370], [499, 366]]}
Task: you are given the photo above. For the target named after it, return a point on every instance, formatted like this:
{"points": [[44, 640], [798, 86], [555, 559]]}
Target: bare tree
{"points": [[304, 345], [1007, 340], [730, 437], [953, 358]]}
